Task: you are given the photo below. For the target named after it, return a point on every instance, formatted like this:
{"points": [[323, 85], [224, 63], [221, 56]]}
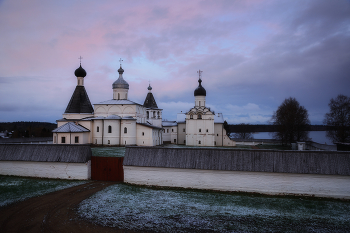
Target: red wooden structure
{"points": [[107, 168]]}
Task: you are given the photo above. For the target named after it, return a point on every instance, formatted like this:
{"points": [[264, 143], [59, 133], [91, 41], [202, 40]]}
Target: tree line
{"points": [[28, 129], [290, 122]]}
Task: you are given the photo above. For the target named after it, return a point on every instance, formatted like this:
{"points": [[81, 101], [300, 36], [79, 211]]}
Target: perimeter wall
{"points": [[46, 160], [314, 173]]}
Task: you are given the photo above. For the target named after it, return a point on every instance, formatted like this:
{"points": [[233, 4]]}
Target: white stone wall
{"points": [[56, 170], [144, 135], [256, 182], [128, 138], [181, 135], [112, 138]]}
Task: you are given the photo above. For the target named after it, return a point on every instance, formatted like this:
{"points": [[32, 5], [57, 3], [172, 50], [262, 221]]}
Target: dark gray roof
{"points": [[45, 153], [150, 102], [120, 83], [149, 125], [79, 103], [70, 127]]}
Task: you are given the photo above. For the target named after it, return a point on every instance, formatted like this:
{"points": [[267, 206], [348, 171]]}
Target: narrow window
{"points": [[199, 142], [183, 130], [200, 130], [207, 130], [118, 96], [54, 139], [109, 129], [217, 135], [147, 114], [76, 139], [185, 141], [191, 116], [125, 130], [109, 142], [172, 130], [98, 129], [143, 133], [174, 140], [167, 130], [63, 139], [199, 103], [199, 116]]}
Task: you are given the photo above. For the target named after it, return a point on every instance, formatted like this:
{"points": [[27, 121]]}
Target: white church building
{"points": [[120, 121]]}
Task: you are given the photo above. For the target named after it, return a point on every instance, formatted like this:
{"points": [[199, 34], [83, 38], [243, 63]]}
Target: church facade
{"points": [[199, 126], [115, 122], [121, 122]]}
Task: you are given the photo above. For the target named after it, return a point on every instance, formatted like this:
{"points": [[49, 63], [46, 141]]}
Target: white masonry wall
{"points": [[332, 186], [56, 170]]}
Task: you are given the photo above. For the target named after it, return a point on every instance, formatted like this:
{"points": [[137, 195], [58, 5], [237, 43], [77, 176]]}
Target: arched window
{"points": [[147, 114], [125, 130], [109, 129], [191, 116], [118, 96], [98, 129], [199, 116]]}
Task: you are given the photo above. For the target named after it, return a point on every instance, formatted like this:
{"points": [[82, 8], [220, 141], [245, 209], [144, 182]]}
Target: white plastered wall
{"points": [[144, 135], [256, 182], [56, 170]]}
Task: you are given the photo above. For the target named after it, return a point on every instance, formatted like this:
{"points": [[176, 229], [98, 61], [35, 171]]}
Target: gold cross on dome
{"points": [[80, 59], [120, 61]]}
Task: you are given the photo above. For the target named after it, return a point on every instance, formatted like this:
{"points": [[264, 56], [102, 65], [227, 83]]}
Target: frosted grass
{"points": [[14, 189], [138, 208]]}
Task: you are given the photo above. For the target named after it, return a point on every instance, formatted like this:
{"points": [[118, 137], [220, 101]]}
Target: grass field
{"points": [[13, 189], [170, 210]]}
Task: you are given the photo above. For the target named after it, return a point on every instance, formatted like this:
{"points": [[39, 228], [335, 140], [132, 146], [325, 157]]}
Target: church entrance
{"points": [[107, 168]]}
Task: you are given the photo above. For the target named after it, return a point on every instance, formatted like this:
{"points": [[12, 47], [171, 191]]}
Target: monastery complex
{"points": [[121, 122]]}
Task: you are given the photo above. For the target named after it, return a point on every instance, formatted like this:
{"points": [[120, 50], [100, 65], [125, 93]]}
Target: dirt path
{"points": [[53, 212]]}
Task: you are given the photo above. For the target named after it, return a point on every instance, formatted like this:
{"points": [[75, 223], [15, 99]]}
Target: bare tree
{"points": [[292, 122], [338, 119], [244, 132]]}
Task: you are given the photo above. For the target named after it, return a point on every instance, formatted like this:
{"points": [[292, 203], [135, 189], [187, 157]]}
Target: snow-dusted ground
{"points": [[162, 210], [13, 189]]}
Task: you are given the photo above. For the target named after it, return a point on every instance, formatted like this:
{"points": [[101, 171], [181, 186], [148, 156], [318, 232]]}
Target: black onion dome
{"points": [[80, 72], [200, 91]]}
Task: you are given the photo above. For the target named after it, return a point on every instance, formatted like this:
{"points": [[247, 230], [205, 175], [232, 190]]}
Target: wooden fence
{"points": [[107, 168]]}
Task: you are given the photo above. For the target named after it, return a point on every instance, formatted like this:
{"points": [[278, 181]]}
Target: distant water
{"points": [[316, 136]]}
